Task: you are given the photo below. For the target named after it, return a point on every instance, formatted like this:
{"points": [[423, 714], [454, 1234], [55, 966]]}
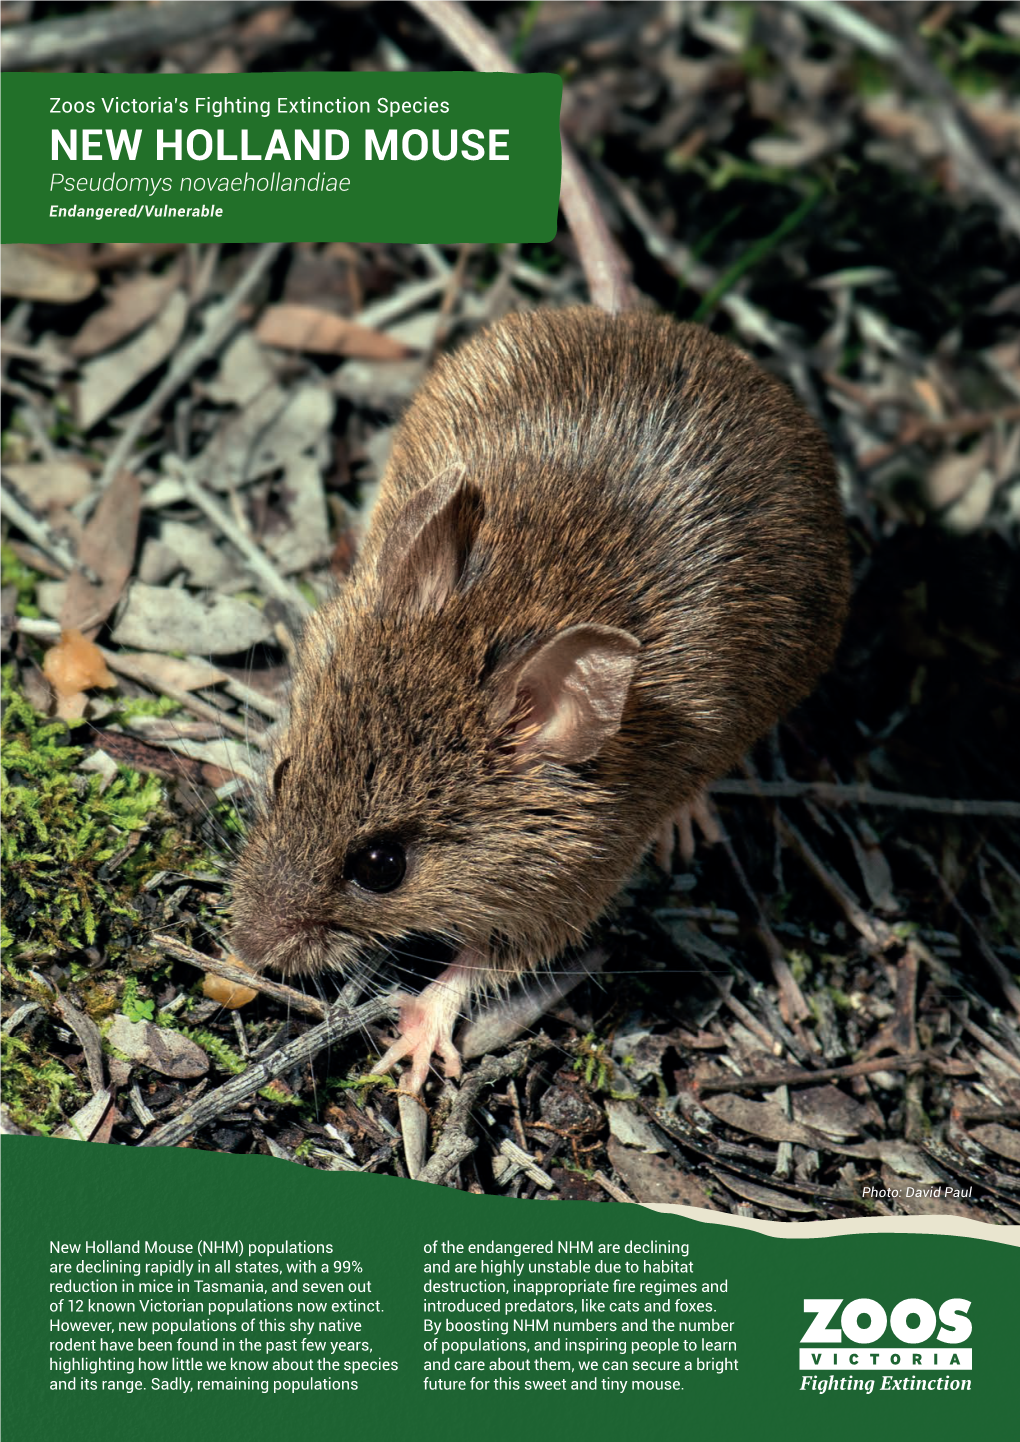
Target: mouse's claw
{"points": [[676, 833], [427, 1022]]}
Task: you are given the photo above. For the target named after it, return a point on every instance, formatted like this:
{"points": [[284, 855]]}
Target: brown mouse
{"points": [[608, 554]]}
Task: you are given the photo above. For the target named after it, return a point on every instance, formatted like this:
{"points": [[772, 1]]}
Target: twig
{"points": [[129, 667], [454, 286], [392, 307], [874, 933], [219, 966], [339, 1024], [860, 794], [457, 1141], [1001, 972], [115, 30], [187, 362], [973, 170], [41, 533], [795, 1007], [989, 1042], [617, 1193], [916, 428], [257, 562], [604, 265], [793, 1077]]}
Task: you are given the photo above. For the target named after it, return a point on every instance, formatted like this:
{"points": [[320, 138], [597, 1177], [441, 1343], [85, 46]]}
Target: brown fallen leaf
{"points": [[131, 304], [303, 327], [108, 547], [33, 274], [50, 485], [167, 1052], [759, 1119], [108, 379], [763, 1196], [1005, 1141], [653, 1179]]}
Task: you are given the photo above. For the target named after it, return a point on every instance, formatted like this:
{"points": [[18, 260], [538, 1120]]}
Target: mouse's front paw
{"points": [[426, 1026], [675, 836]]}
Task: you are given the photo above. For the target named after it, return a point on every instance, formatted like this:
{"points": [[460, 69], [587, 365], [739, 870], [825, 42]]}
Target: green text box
{"points": [[439, 157]]}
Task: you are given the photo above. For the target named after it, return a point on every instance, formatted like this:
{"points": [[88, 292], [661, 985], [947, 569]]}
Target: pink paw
{"points": [[676, 834]]}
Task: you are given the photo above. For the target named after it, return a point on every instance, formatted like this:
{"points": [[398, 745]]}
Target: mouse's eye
{"points": [[379, 866], [279, 774]]}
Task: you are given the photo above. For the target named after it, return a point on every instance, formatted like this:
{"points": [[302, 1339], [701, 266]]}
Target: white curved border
{"points": [[936, 1226]]}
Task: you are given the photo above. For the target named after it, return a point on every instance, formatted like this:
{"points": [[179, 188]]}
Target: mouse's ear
{"points": [[570, 694], [426, 550]]}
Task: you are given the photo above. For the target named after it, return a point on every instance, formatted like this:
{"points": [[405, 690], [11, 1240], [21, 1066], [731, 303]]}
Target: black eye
{"points": [[379, 866]]}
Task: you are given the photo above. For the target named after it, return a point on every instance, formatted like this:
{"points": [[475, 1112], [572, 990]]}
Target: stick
{"points": [[604, 265], [219, 966], [339, 1024], [795, 1078], [861, 794]]}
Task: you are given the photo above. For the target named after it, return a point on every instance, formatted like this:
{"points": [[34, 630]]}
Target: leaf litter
{"points": [[825, 1003]]}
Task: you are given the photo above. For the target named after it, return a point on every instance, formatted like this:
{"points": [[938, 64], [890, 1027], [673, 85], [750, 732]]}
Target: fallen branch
{"points": [[339, 1024], [860, 794], [605, 267]]}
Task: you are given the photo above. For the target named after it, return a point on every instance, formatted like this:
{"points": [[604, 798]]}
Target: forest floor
{"points": [[821, 1007]]}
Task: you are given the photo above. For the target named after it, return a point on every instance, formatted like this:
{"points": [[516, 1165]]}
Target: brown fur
{"points": [[561, 470]]}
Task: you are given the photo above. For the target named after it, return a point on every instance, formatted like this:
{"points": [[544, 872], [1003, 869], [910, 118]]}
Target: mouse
{"points": [[608, 554]]}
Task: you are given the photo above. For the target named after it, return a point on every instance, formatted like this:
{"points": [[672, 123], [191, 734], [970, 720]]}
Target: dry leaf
{"points": [[653, 1179], [269, 433], [50, 485], [759, 1119], [631, 1128], [36, 275], [107, 546], [131, 304], [1002, 1140], [167, 1052], [153, 618], [763, 1196], [108, 379], [304, 540], [303, 327], [173, 671]]}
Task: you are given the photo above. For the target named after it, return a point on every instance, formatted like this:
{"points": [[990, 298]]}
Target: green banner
{"points": [[159, 1293], [442, 157]]}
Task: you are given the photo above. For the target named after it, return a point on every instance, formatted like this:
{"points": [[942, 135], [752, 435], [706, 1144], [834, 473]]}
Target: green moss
{"points": [[75, 854], [593, 1063], [14, 572], [36, 1094], [233, 1064]]}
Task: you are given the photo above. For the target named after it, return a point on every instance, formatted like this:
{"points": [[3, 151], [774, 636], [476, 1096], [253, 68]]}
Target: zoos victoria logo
{"points": [[910, 1338]]}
